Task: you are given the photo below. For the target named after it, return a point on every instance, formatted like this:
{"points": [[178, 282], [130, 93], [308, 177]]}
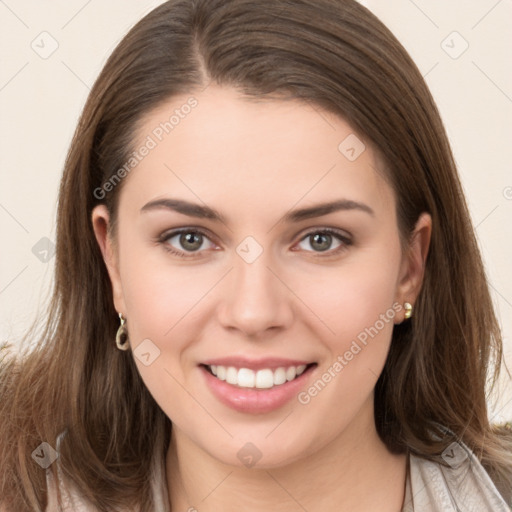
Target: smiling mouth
{"points": [[265, 378]]}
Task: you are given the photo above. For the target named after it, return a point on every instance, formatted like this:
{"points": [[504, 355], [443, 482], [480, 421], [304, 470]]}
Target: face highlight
{"points": [[260, 265]]}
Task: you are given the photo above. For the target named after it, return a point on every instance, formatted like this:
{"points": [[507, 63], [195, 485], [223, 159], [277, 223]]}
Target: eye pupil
{"points": [[187, 240], [317, 239]]}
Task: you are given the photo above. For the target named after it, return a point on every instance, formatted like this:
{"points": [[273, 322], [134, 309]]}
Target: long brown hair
{"points": [[336, 55]]}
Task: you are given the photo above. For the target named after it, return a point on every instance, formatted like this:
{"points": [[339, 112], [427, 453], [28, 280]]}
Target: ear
{"points": [[412, 268], [100, 222]]}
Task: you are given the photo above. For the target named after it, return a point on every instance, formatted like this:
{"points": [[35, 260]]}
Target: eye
{"points": [[321, 241], [189, 241]]}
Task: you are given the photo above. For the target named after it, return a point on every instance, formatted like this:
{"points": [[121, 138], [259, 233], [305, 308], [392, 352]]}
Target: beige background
{"points": [[460, 47]]}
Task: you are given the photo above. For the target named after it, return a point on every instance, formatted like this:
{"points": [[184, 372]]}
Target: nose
{"points": [[255, 298]]}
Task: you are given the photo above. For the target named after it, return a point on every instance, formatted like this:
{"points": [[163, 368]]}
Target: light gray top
{"points": [[463, 486]]}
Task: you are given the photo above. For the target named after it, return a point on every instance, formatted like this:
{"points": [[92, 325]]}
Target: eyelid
{"points": [[170, 233], [331, 231]]}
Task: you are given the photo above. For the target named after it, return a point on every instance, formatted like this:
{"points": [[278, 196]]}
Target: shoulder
{"points": [[73, 501], [458, 481]]}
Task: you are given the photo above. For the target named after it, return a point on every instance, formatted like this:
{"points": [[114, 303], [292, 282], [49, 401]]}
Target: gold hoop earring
{"points": [[122, 335], [408, 310]]}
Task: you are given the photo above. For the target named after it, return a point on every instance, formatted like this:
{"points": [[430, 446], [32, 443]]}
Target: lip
{"points": [[273, 363], [252, 400]]}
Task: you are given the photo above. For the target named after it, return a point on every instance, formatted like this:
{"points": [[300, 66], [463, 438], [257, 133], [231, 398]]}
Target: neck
{"points": [[354, 472]]}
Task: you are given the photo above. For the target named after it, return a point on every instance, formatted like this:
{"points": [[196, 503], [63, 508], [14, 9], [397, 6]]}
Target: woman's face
{"points": [[228, 261]]}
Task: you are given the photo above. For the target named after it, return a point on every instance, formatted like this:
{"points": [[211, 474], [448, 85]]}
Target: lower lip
{"points": [[252, 400]]}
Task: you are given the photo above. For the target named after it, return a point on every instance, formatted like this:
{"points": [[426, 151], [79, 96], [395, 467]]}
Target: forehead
{"points": [[222, 147]]}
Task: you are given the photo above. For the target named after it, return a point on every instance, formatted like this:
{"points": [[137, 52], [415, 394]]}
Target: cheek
{"points": [[355, 300], [360, 308], [166, 304], [365, 308], [348, 298], [163, 304], [160, 295]]}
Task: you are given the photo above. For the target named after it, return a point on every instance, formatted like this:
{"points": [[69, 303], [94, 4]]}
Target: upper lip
{"points": [[256, 364]]}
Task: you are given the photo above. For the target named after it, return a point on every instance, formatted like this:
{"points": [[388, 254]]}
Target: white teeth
{"points": [[291, 373], [231, 375], [261, 379], [246, 378], [264, 379], [279, 376], [221, 372]]}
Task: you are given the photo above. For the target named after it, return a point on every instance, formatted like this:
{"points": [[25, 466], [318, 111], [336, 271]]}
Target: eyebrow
{"points": [[205, 212]]}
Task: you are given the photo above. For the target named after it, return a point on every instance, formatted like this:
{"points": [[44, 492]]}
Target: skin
{"points": [[254, 161]]}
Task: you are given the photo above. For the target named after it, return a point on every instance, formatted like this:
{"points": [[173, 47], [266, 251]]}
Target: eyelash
{"points": [[346, 241]]}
